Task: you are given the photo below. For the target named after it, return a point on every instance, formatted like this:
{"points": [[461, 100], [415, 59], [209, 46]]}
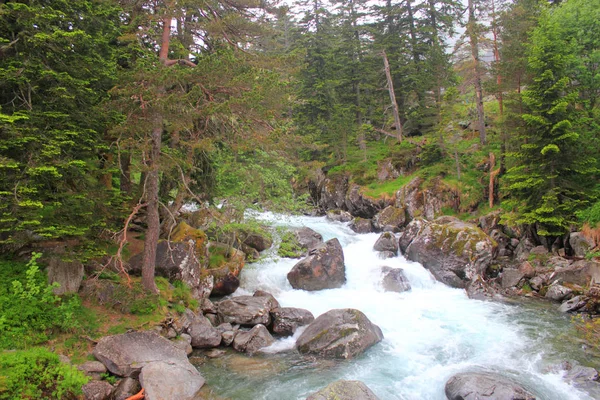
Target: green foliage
{"points": [[591, 215], [30, 313], [431, 154], [38, 374], [376, 189], [289, 246]]}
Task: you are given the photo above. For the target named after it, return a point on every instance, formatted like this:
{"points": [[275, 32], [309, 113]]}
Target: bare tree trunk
{"points": [[390, 83], [474, 41], [125, 176]]}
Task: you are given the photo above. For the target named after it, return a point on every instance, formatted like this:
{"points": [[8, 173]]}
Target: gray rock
{"points": [[182, 322], [580, 244], [489, 222], [287, 319], [410, 233], [426, 199], [341, 333], [394, 280], [208, 307], [580, 373], [163, 380], [511, 277], [245, 310], [256, 240], [323, 268], [580, 273], [479, 386], [184, 342], [93, 369], [390, 219], [308, 238], [344, 390], [68, 274], [213, 319], [215, 353], [273, 303], [203, 334], [527, 269], [569, 306], [523, 248], [361, 225], [386, 242], [537, 282], [339, 216], [454, 251], [253, 340], [126, 354], [558, 292], [126, 388], [384, 255], [228, 337], [97, 390]]}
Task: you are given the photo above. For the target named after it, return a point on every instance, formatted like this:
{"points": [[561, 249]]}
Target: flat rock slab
{"points": [[481, 386], [344, 390], [245, 310], [342, 333], [253, 340], [169, 381]]}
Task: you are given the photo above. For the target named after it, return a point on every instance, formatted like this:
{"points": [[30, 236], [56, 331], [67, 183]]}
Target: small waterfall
{"points": [[431, 332]]}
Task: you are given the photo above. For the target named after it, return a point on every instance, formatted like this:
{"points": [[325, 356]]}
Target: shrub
{"points": [[38, 374]]}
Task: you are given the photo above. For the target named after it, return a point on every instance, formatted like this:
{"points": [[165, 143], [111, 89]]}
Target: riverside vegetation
{"points": [[117, 115]]}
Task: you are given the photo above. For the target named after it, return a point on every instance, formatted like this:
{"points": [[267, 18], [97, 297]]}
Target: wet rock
{"points": [[323, 268], [257, 240], [477, 386], [215, 353], [580, 244], [273, 303], [454, 251], [226, 279], [394, 280], [361, 225], [344, 390], [287, 319], [386, 242], [162, 380], [228, 333], [97, 390], [245, 310], [573, 305], [339, 216], [558, 292], [203, 334], [511, 277], [480, 289], [384, 255], [93, 369], [253, 340], [409, 233], [341, 333], [126, 388], [308, 238], [390, 219]]}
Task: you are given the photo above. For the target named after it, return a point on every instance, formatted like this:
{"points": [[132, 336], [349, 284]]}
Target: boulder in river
{"points": [[394, 280], [339, 216], [203, 333], [253, 340], [323, 268], [386, 242], [340, 333], [454, 251], [390, 219], [245, 310], [287, 319], [344, 390], [479, 386], [361, 225]]}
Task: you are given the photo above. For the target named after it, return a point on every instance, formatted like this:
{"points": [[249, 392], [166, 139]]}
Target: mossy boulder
{"points": [[473, 386], [426, 199], [391, 219], [297, 242], [339, 216], [344, 390], [387, 242], [342, 333], [361, 225], [454, 251], [224, 266]]}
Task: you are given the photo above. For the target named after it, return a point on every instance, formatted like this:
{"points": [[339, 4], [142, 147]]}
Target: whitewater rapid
{"points": [[430, 332]]}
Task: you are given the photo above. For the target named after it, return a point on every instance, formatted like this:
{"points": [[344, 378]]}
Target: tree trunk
{"points": [[390, 83], [125, 176], [474, 41]]}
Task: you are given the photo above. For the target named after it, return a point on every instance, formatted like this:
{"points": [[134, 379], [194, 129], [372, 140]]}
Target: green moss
{"points": [[377, 189], [289, 246]]}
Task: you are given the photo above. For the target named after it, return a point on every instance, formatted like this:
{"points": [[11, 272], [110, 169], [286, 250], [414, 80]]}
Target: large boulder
{"points": [[307, 238], [163, 369], [454, 251], [339, 216], [410, 232], [323, 268], [226, 275], [126, 388], [203, 334], [361, 225], [360, 205], [287, 319], [426, 199], [181, 261], [558, 292], [511, 277], [394, 280], [581, 273], [341, 333], [580, 244], [245, 310], [479, 386], [97, 390], [297, 242], [257, 240], [68, 274], [386, 242], [390, 219], [344, 390], [253, 340]]}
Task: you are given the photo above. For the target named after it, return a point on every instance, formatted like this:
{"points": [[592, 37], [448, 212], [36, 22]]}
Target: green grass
{"points": [[376, 189]]}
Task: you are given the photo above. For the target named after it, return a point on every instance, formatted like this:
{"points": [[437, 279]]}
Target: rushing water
{"points": [[430, 332]]}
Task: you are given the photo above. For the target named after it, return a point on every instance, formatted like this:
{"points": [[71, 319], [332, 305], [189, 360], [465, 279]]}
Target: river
{"points": [[430, 332]]}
